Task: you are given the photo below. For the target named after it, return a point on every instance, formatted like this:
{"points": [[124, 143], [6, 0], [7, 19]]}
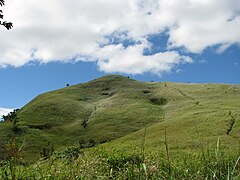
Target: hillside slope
{"points": [[118, 108], [195, 116]]}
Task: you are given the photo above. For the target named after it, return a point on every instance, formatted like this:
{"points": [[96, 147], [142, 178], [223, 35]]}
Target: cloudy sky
{"points": [[57, 42]]}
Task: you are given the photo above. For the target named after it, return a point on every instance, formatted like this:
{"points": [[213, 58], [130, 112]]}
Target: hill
{"points": [[114, 110]]}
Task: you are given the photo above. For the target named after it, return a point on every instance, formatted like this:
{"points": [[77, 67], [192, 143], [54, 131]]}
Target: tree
{"points": [[6, 24], [11, 116]]}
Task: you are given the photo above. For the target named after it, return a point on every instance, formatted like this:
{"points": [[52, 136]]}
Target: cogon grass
{"points": [[102, 164]]}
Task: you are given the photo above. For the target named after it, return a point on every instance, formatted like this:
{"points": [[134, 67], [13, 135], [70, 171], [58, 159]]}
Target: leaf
{"points": [[8, 25], [2, 2]]}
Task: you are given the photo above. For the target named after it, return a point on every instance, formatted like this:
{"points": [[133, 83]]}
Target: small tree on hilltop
{"points": [[6, 24]]}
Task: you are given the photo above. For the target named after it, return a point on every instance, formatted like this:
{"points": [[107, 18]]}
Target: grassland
{"points": [[97, 163], [119, 114]]}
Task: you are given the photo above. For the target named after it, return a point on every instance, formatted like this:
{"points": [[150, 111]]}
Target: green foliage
{"points": [[13, 151], [117, 120], [158, 101], [101, 164], [11, 116], [119, 161], [91, 143], [71, 153], [87, 143], [15, 126], [47, 151]]}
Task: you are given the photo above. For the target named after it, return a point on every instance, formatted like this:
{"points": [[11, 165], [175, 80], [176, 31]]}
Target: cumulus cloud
{"points": [[97, 30], [201, 24], [132, 61], [4, 111]]}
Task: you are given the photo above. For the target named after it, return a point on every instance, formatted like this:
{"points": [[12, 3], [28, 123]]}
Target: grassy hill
{"points": [[114, 111]]}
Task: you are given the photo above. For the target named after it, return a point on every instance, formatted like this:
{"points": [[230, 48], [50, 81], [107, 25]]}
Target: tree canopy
{"points": [[11, 116], [6, 24]]}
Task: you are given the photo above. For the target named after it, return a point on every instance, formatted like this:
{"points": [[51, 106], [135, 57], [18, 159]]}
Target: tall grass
{"points": [[101, 164]]}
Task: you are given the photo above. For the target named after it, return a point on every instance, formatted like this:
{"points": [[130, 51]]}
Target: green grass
{"points": [[98, 163], [114, 111]]}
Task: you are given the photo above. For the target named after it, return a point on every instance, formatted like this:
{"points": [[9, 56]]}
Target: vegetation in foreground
{"points": [[97, 163]]}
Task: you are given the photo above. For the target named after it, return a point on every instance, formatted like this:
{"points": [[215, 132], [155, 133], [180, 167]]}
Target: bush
{"points": [[71, 153], [91, 143], [47, 151], [13, 151], [158, 101], [146, 91]]}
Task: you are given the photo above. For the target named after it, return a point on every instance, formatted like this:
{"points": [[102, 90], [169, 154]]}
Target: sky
{"points": [[62, 42]]}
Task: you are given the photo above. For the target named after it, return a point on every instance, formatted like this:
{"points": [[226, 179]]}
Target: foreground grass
{"points": [[98, 163]]}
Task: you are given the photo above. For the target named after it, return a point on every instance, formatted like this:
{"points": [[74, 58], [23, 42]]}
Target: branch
{"points": [[7, 25], [2, 2]]}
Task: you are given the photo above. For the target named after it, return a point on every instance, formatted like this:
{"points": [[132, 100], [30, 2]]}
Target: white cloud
{"points": [[74, 30], [132, 61], [201, 24], [4, 111]]}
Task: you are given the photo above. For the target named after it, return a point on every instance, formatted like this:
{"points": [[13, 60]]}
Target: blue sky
{"points": [[22, 84], [155, 40]]}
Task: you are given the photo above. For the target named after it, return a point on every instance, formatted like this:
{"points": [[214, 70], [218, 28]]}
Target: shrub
{"points": [[146, 91], [47, 151], [13, 151], [91, 143], [71, 153], [158, 101]]}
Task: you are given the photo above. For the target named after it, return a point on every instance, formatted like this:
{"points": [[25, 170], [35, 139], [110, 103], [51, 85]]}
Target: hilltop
{"points": [[113, 112]]}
